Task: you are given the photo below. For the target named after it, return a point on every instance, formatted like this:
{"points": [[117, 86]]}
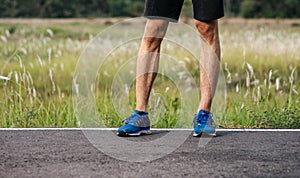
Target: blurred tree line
{"points": [[131, 8]]}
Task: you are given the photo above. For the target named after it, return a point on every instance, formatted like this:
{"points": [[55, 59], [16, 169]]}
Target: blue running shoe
{"points": [[135, 125], [203, 123]]}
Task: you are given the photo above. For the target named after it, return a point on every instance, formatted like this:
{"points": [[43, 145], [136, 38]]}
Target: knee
{"points": [[154, 34], [207, 30], [151, 43], [156, 29], [152, 40]]}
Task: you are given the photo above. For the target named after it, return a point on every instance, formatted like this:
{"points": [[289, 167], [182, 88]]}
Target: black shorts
{"points": [[204, 10]]}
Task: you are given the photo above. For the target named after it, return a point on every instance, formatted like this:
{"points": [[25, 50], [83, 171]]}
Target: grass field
{"points": [[260, 59]]}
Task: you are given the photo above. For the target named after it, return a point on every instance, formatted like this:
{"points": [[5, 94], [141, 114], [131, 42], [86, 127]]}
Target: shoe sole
{"points": [[210, 134], [142, 132]]}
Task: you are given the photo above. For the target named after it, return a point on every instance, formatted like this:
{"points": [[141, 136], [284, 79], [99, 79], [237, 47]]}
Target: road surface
{"points": [[58, 153]]}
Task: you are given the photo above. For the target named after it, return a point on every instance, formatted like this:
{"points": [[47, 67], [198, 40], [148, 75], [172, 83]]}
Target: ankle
{"points": [[203, 111], [140, 112]]}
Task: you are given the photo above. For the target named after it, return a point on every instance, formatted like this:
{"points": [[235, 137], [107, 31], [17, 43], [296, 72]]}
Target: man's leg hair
{"points": [[148, 60], [209, 61]]}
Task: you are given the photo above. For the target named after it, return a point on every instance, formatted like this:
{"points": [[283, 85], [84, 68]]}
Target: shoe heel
{"points": [[146, 132]]}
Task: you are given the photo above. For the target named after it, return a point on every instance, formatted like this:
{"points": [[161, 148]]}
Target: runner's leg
{"points": [[209, 62], [148, 60]]}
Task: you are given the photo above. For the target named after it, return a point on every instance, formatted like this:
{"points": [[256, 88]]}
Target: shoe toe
{"points": [[127, 129]]}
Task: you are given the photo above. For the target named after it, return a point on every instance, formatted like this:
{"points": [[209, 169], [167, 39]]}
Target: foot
{"points": [[136, 124], [203, 123]]}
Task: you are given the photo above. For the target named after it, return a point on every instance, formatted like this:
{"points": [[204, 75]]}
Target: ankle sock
{"points": [[141, 113], [202, 111]]}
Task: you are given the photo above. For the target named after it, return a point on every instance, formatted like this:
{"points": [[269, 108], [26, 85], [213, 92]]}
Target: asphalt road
{"points": [[230, 154]]}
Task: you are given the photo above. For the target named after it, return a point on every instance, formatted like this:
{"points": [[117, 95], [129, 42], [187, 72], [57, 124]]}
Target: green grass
{"points": [[261, 65]]}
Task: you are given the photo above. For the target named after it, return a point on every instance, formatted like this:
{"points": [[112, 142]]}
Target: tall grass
{"points": [[261, 66]]}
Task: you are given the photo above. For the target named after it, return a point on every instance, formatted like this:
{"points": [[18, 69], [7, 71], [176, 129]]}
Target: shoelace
{"points": [[203, 118], [137, 120], [132, 117]]}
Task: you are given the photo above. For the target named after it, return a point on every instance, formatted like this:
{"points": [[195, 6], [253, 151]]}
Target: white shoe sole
{"points": [[142, 132], [210, 134]]}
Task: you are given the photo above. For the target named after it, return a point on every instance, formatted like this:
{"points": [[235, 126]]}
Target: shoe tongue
{"points": [[203, 116]]}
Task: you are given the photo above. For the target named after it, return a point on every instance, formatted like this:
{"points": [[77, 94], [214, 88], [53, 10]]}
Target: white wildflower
{"points": [[4, 78], [16, 77], [51, 74], [167, 89], [270, 74], [126, 89], [34, 92], [3, 38], [247, 79], [258, 92], [49, 55], [23, 50], [92, 88], [40, 60], [76, 86], [250, 68], [265, 83], [277, 83], [228, 78], [242, 106], [295, 91], [237, 89], [255, 82], [291, 78], [106, 73], [7, 33], [50, 32]]}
